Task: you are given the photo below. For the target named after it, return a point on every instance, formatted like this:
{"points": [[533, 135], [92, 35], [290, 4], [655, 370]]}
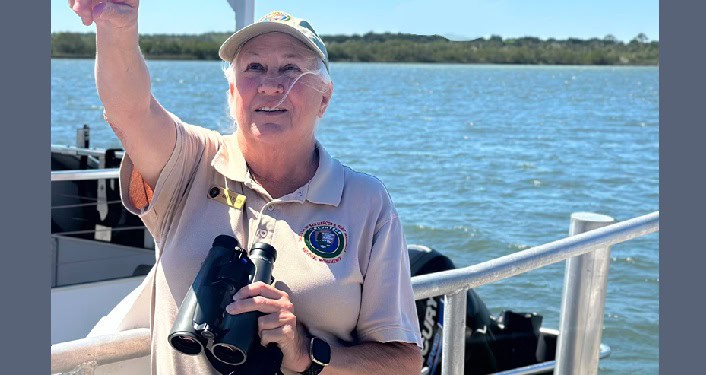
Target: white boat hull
{"points": [[76, 309]]}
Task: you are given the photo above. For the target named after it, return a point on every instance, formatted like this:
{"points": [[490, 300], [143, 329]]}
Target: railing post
{"points": [[454, 333], [583, 300]]}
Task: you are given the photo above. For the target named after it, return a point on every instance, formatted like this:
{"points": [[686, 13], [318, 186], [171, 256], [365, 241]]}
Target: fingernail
{"points": [[98, 9]]}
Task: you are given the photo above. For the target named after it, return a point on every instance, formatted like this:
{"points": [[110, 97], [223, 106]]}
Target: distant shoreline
{"points": [[163, 58], [400, 48]]}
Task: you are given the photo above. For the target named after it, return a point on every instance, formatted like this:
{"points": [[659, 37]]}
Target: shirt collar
{"points": [[229, 161], [326, 187]]}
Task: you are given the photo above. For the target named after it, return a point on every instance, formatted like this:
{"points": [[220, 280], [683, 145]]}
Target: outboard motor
{"points": [[492, 344]]}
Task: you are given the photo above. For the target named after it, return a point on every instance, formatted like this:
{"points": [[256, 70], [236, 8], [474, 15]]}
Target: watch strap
{"points": [[316, 365], [314, 369]]}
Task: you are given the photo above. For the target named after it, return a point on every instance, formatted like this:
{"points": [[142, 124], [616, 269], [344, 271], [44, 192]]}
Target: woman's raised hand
{"points": [[115, 13]]}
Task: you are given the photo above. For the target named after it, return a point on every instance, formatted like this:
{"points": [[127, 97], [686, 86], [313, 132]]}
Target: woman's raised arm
{"points": [[144, 127]]}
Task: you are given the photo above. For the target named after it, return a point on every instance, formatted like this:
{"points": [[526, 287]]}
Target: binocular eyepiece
{"points": [[202, 322]]}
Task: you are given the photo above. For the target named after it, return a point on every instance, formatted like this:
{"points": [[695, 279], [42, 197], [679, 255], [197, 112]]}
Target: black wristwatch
{"points": [[320, 354]]}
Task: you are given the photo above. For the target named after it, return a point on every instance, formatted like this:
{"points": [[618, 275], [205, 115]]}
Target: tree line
{"points": [[397, 47]]}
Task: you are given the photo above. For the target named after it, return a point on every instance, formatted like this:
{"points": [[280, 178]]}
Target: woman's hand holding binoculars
{"points": [[278, 324]]}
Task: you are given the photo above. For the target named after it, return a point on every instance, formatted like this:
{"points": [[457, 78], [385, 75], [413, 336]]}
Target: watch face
{"points": [[320, 351]]}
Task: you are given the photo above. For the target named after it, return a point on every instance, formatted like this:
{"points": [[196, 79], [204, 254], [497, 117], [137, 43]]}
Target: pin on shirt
{"points": [[227, 197]]}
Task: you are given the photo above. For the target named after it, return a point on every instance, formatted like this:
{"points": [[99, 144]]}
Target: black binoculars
{"points": [[202, 322]]}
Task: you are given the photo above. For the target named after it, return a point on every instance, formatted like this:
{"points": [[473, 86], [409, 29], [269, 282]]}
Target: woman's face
{"points": [[273, 101]]}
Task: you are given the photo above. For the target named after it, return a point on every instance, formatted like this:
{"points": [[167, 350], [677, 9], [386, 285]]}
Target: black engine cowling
{"points": [[492, 344]]}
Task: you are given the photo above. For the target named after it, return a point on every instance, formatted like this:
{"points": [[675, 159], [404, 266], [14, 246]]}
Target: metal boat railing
{"points": [[84, 355], [85, 175], [588, 255], [83, 151], [586, 250]]}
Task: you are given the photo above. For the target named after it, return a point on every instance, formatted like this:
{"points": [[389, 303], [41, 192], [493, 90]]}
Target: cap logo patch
{"points": [[277, 17], [325, 241]]}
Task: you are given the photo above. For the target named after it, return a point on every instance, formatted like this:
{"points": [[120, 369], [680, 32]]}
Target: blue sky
{"points": [[457, 18]]}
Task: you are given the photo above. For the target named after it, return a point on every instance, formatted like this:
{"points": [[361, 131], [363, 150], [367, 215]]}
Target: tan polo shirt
{"points": [[341, 253]]}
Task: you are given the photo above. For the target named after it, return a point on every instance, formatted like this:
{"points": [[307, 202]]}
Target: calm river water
{"points": [[481, 161]]}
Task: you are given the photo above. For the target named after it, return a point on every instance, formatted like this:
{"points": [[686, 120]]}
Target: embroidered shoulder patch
{"points": [[324, 241]]}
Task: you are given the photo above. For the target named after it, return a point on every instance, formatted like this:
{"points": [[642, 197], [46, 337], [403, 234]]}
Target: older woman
{"points": [[342, 302]]}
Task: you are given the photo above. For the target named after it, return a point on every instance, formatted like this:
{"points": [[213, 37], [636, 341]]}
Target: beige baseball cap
{"points": [[275, 21]]}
